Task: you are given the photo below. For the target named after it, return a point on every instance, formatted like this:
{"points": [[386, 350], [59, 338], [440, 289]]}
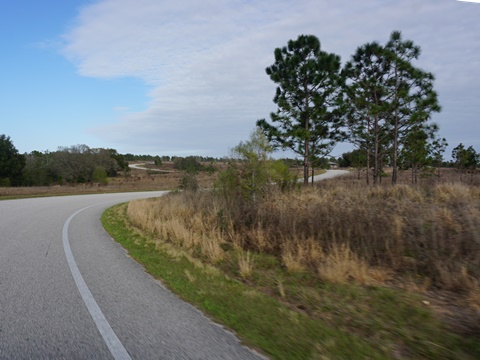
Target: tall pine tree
{"points": [[308, 88], [387, 97], [366, 103], [412, 96]]}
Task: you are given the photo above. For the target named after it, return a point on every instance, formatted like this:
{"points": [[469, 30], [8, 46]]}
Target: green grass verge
{"points": [[74, 193], [332, 322]]}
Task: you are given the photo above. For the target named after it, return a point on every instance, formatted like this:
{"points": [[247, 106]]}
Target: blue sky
{"points": [[187, 77]]}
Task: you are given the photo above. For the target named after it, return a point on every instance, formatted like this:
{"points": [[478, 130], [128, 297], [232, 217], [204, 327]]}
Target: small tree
{"points": [[438, 147], [189, 181], [157, 161], [355, 159], [100, 175], [466, 160], [422, 148], [251, 173], [415, 152]]}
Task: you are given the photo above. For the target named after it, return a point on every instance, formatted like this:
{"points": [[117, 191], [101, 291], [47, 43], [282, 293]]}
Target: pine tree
{"points": [[308, 88], [387, 97], [366, 103], [412, 96]]}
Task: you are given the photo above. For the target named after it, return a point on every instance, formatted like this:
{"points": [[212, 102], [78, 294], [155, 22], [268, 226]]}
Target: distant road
{"points": [[139, 166], [68, 291], [329, 174]]}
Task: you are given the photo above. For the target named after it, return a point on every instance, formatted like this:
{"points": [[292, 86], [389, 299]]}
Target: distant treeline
{"points": [[74, 164], [82, 164], [79, 164]]}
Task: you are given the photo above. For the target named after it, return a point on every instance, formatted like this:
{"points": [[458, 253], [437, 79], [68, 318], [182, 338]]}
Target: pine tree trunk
{"points": [[305, 166], [395, 150], [305, 160], [375, 154], [368, 167], [395, 133]]}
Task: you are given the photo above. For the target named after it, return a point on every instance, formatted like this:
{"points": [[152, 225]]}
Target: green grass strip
{"points": [[260, 321]]}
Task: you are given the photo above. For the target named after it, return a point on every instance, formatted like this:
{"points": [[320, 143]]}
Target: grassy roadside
{"points": [[14, 193], [285, 315], [72, 193]]}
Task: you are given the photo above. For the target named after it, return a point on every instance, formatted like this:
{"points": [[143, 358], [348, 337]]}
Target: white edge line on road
{"points": [[113, 343]]}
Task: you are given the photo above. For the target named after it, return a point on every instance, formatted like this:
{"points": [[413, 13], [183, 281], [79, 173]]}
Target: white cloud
{"points": [[204, 61]]}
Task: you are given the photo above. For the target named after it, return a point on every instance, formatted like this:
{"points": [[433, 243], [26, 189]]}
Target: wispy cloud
{"points": [[204, 61]]}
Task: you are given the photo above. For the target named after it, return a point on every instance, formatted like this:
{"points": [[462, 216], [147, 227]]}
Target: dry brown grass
{"points": [[340, 231], [180, 222], [474, 298], [341, 265], [430, 232], [299, 255], [245, 264]]}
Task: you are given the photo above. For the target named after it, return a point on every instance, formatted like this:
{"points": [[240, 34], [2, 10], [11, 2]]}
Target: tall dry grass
{"points": [[183, 219], [340, 230]]}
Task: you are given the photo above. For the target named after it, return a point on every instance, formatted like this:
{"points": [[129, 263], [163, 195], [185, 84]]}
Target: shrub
{"points": [[189, 163], [100, 175], [189, 181]]}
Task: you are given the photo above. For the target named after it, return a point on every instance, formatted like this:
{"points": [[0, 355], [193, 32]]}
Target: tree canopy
{"points": [[11, 163], [465, 159], [386, 98], [308, 88]]}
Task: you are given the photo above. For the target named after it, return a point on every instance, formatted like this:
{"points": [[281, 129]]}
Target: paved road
{"points": [[139, 166], [329, 174], [67, 291]]}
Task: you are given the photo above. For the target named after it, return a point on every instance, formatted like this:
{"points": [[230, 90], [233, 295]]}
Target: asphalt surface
{"points": [[329, 174], [46, 312]]}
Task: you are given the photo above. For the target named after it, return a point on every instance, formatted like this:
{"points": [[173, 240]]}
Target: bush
{"points": [[100, 175], [157, 161], [251, 174], [5, 182], [189, 182], [189, 163]]}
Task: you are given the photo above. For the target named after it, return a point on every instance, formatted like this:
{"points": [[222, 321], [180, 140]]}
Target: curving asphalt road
{"points": [[139, 166], [329, 174], [67, 291]]}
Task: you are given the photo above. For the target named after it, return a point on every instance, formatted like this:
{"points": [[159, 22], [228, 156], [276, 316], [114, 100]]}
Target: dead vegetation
{"points": [[425, 237]]}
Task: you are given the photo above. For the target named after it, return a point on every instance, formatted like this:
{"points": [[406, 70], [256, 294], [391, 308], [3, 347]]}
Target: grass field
{"points": [[337, 271]]}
